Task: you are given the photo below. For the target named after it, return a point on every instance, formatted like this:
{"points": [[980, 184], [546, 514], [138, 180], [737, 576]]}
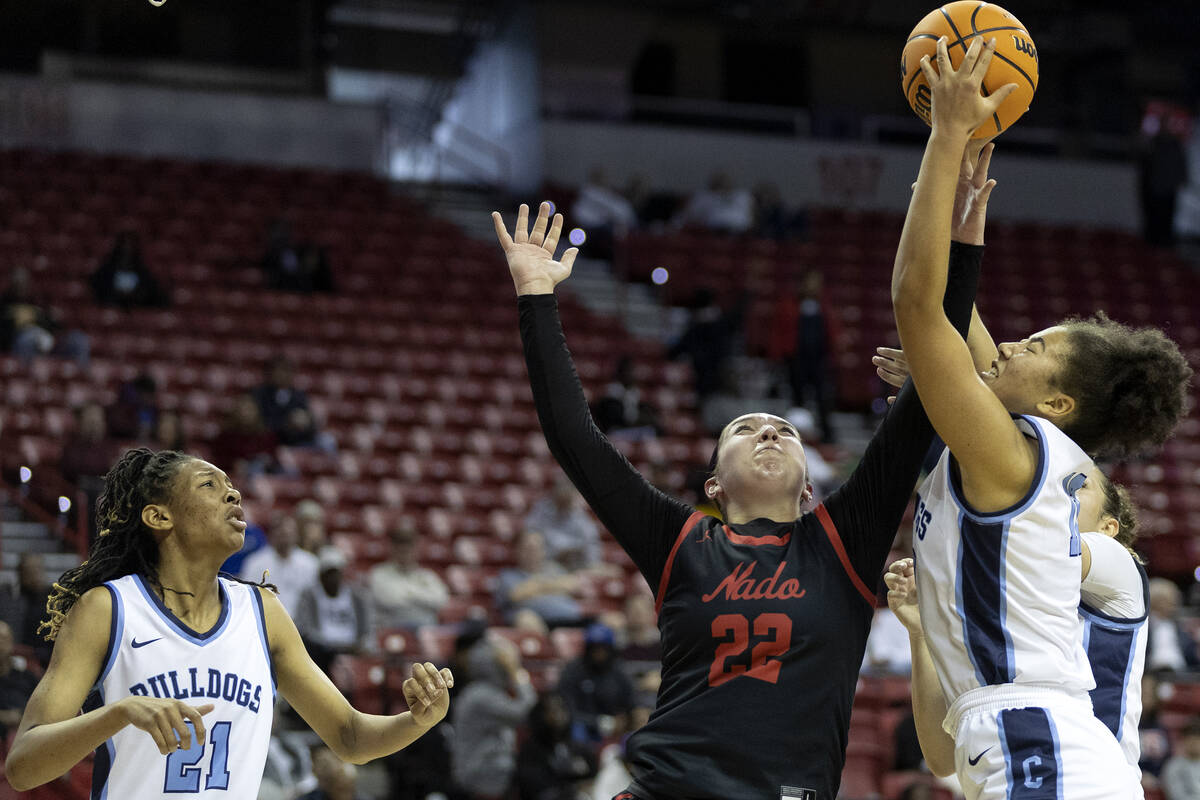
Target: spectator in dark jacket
{"points": [[124, 280], [551, 765], [277, 396], [598, 691]]}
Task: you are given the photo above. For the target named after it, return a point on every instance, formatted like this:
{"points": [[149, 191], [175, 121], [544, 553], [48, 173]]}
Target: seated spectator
{"points": [[295, 266], [244, 446], [134, 414], [598, 691], [277, 396], [405, 594], [291, 569], [623, 412], [721, 207], [603, 212], [16, 685], [24, 605], [332, 617], [336, 780], [123, 279], [1181, 773], [310, 516], [168, 433], [641, 653], [1154, 738], [537, 592], [88, 451], [300, 430], [486, 715], [1169, 648], [772, 220], [29, 329], [571, 536], [550, 765], [288, 769]]}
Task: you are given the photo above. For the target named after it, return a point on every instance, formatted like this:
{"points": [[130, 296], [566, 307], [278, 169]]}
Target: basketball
{"points": [[1015, 60]]}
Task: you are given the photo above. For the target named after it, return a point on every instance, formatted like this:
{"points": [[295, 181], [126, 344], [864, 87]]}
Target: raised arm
{"points": [[53, 736], [997, 464], [352, 735], [928, 701], [642, 519]]}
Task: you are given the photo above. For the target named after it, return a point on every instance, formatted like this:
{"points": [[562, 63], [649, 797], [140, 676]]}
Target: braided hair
{"points": [[124, 545], [1119, 506]]}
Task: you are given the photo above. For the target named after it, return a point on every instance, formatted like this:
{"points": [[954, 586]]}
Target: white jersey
{"points": [[152, 653], [1115, 599], [999, 592]]}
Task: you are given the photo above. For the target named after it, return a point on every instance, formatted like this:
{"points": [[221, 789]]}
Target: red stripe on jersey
{"points": [[666, 573], [839, 548], [738, 538]]}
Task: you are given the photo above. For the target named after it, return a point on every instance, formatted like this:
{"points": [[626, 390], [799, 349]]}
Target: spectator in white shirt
{"points": [[721, 207], [291, 569], [405, 594]]}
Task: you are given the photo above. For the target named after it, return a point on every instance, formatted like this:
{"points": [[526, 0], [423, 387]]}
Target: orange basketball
{"points": [[1015, 61]]}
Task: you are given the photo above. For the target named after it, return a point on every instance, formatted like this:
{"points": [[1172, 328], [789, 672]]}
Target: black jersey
{"points": [[764, 623]]}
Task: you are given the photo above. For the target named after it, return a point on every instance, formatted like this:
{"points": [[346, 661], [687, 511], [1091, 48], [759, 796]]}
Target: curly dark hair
{"points": [[1129, 385], [124, 545]]}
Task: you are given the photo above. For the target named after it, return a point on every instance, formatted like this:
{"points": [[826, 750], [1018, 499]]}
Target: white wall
{"points": [[151, 121], [814, 172]]}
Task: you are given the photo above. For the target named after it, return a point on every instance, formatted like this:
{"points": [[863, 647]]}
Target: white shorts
{"points": [[1018, 742]]}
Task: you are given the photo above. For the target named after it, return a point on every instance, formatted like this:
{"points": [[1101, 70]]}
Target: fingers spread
{"points": [[931, 75], [985, 161], [551, 242], [501, 232], [943, 57], [971, 59]]}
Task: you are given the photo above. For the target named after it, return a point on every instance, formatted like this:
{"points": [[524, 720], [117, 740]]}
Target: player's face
{"points": [[758, 449], [209, 505], [1091, 505], [1023, 374]]}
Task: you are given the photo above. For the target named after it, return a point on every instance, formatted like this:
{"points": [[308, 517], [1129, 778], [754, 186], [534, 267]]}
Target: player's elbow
{"points": [[17, 771]]}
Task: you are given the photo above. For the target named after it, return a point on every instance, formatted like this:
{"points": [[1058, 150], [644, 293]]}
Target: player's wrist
{"points": [[535, 286]]}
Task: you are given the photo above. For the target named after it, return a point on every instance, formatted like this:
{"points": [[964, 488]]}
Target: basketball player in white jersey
{"points": [[180, 667], [1113, 608], [1113, 614], [994, 535]]}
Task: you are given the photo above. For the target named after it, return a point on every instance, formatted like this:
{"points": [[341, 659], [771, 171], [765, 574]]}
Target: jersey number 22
{"points": [[735, 628]]}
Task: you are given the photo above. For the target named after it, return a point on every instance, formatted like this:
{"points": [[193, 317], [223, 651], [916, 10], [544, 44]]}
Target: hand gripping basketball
{"points": [[958, 107]]}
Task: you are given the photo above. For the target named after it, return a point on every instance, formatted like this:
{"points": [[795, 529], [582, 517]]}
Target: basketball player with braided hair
{"points": [[177, 667], [995, 527]]}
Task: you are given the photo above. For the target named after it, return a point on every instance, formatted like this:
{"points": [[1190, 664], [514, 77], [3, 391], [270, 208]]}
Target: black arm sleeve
{"points": [[642, 519], [867, 508]]}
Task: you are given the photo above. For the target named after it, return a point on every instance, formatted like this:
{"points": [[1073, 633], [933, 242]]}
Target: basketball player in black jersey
{"points": [[764, 618]]}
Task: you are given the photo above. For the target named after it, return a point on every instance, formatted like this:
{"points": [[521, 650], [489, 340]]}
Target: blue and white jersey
{"points": [[152, 653], [1113, 607], [999, 592]]}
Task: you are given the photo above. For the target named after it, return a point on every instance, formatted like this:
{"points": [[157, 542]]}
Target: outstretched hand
{"points": [[901, 580], [958, 105], [972, 193], [530, 254]]}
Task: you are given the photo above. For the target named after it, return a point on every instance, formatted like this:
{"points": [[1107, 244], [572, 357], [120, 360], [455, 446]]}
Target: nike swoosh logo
{"points": [[136, 643], [975, 760]]}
